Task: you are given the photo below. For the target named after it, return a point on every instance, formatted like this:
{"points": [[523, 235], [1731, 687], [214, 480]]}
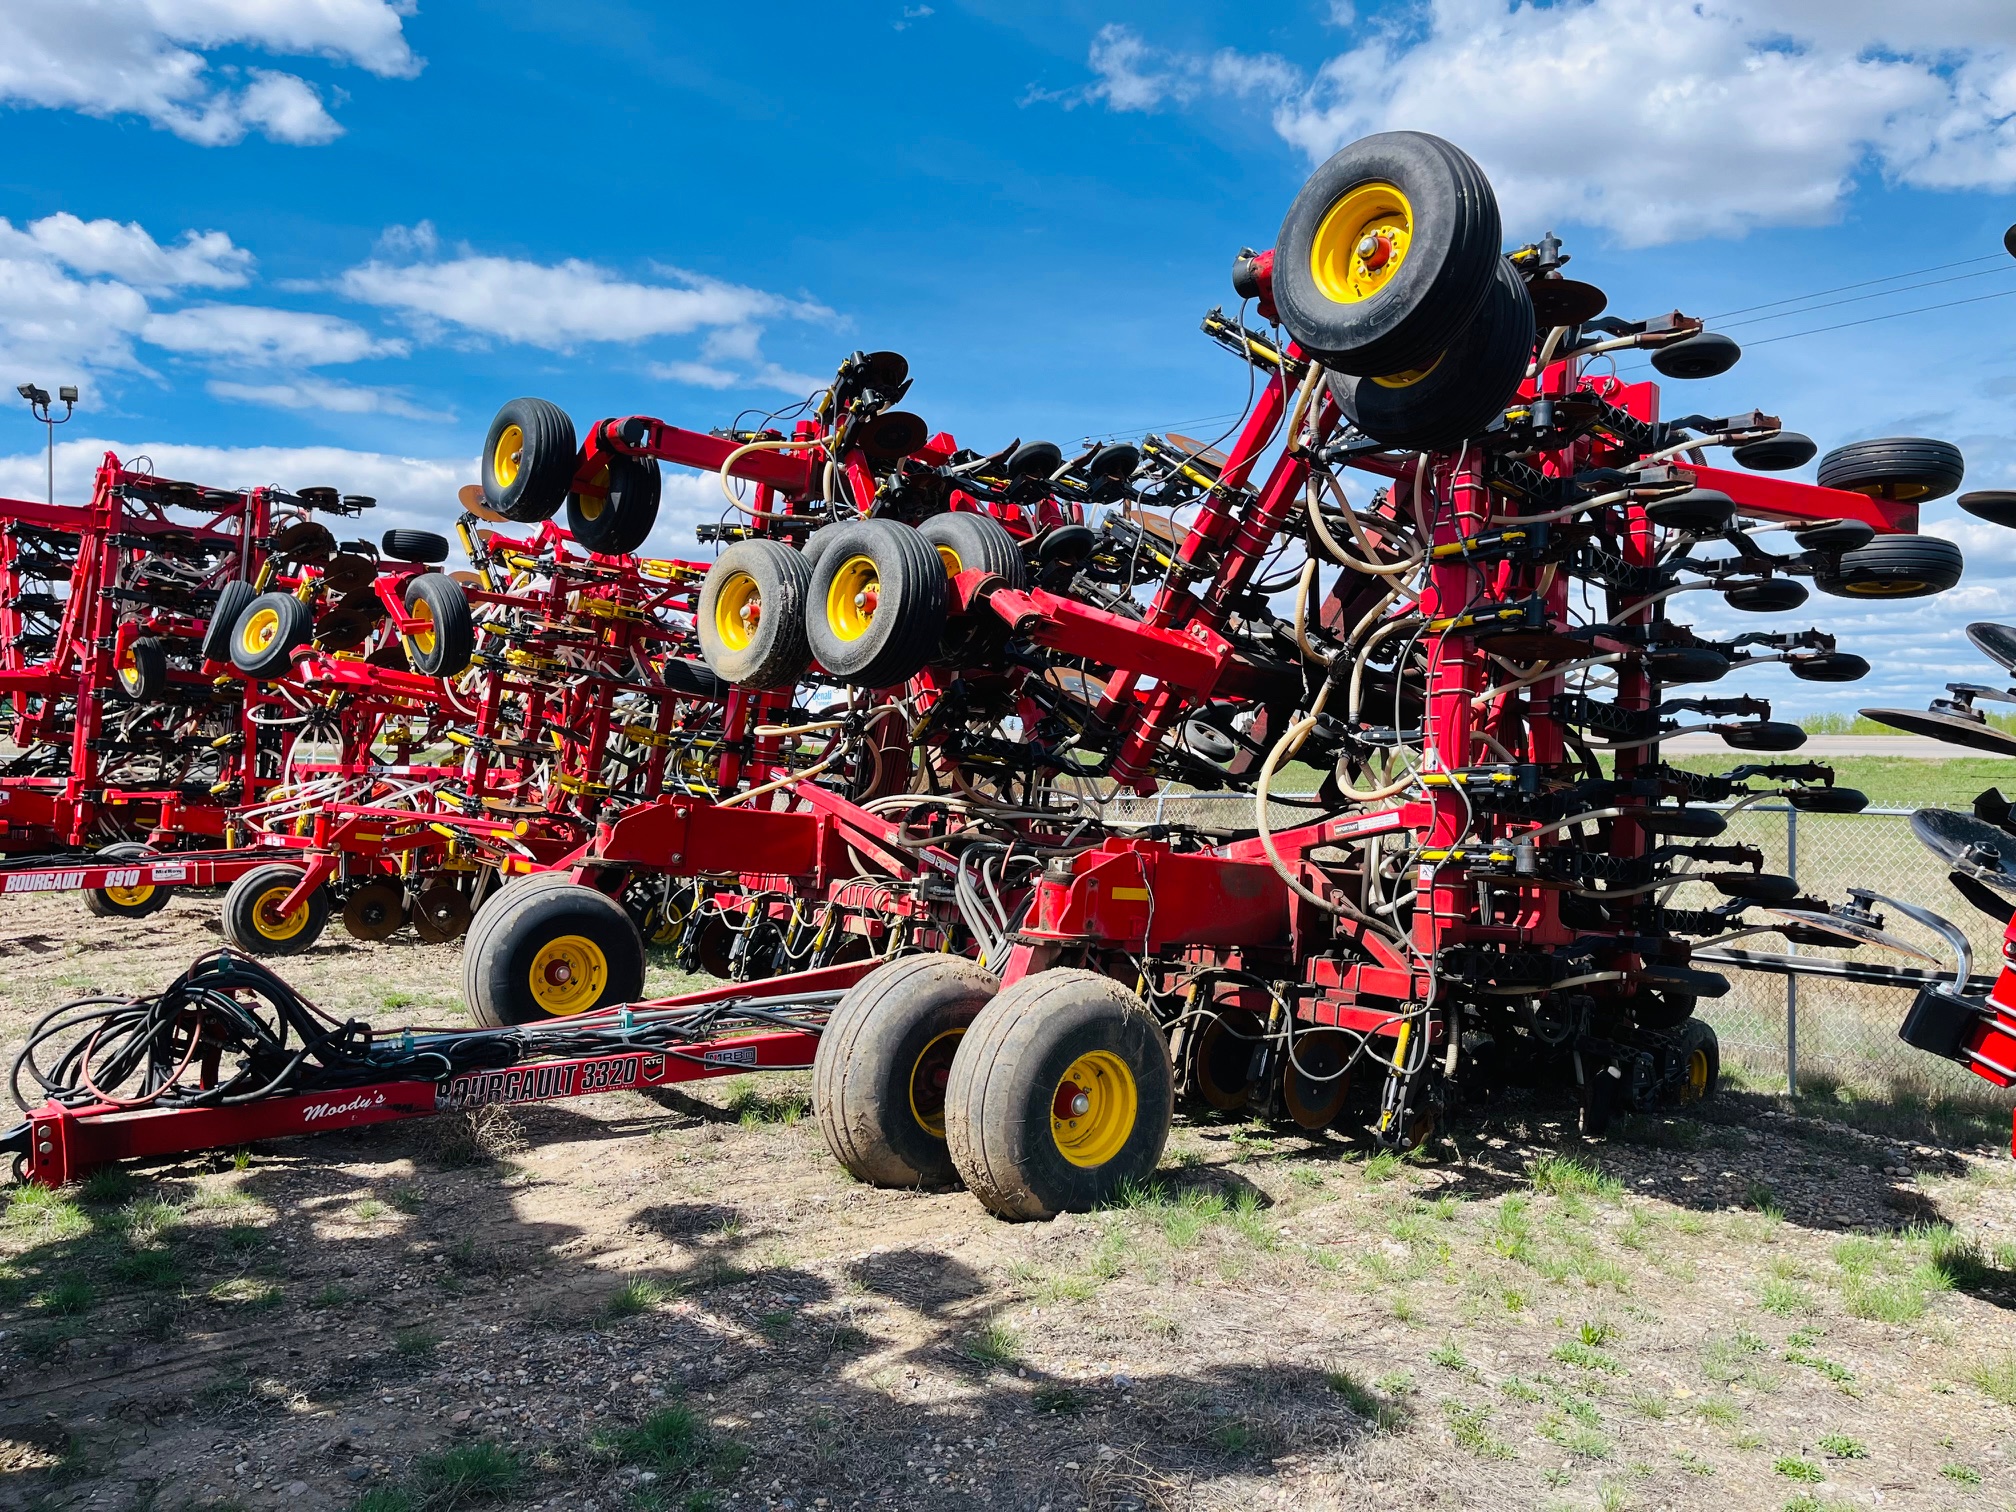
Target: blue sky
{"points": [[305, 244]]}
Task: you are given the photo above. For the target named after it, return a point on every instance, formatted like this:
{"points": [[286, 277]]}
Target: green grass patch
{"points": [[994, 1346], [1470, 1427], [1563, 1176], [1585, 1357], [70, 1297], [1997, 1381], [1792, 1467], [1961, 1475], [477, 1472], [636, 1295], [752, 1105], [44, 1215], [1841, 1446]]}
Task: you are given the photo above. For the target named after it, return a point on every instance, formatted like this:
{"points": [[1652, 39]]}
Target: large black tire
{"points": [[1893, 567], [685, 675], [876, 605], [816, 544], [1906, 469], [528, 460], [415, 546], [883, 1064], [443, 648], [1022, 1141], [553, 950], [618, 523], [142, 672], [1432, 203], [266, 633], [965, 541], [751, 615], [253, 922], [135, 902], [231, 601], [1462, 391]]}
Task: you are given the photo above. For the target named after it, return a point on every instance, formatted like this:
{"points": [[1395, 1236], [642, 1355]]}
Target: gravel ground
{"points": [[676, 1300]]}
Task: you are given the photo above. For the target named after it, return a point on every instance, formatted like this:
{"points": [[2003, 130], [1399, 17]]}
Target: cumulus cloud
{"points": [[125, 251], [258, 335], [557, 305], [327, 396], [1668, 119], [147, 58]]}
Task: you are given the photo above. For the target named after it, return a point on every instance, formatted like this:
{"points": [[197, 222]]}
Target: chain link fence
{"points": [[1782, 1031]]}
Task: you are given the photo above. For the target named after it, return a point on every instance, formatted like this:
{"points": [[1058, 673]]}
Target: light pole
{"points": [[38, 404]]}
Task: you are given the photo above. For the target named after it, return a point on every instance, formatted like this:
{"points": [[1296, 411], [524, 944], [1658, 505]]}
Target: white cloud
{"points": [[411, 491], [326, 396], [559, 305], [124, 250], [1668, 119], [699, 374], [147, 58], [254, 334]]}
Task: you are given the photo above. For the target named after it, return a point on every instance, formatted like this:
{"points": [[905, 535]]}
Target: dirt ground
{"points": [[678, 1301]]}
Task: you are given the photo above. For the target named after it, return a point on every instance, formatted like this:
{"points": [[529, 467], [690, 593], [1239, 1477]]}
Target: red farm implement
{"points": [[1435, 566]]}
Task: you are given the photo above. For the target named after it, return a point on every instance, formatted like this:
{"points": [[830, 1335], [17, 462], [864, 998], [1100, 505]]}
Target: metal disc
{"points": [[470, 497], [1998, 641], [441, 913], [1222, 1062], [348, 572], [1954, 729], [374, 911], [1973, 847], [1565, 301], [1850, 931], [305, 541], [1314, 1082]]}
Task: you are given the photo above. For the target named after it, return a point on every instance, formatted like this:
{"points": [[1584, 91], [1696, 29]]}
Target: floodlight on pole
{"points": [[41, 406]]}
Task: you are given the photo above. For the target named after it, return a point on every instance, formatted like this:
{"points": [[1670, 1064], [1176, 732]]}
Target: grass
{"points": [[1564, 1176], [994, 1346], [1997, 1381], [246, 1291], [1586, 1357], [44, 1214], [1061, 1400], [1841, 1446], [415, 1343], [70, 1297], [1961, 1475], [476, 1472], [751, 1105], [1792, 1467], [1469, 1426], [636, 1295], [1897, 781], [1448, 1356]]}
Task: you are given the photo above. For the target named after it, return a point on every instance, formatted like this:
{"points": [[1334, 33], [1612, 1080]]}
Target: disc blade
{"points": [[1998, 641], [1973, 847], [1954, 729], [1850, 931]]}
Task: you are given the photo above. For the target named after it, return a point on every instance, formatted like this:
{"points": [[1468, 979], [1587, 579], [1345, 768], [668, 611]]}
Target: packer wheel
{"points": [[254, 923], [549, 948]]}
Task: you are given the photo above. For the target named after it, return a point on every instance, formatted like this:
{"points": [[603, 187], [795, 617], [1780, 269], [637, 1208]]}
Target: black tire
{"points": [[751, 615], [1706, 354], [1662, 1008], [266, 633], [965, 541], [1779, 453], [528, 460], [252, 922], [876, 604], [1401, 316], [1893, 567], [1771, 596], [1904, 469], [1702, 1061], [685, 675], [231, 601], [444, 649], [414, 546], [816, 544], [1003, 1122], [1995, 505], [884, 1062], [135, 902], [1462, 391], [618, 523], [142, 674], [553, 949]]}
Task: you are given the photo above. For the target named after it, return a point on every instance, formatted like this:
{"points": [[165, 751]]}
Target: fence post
{"points": [[1792, 982]]}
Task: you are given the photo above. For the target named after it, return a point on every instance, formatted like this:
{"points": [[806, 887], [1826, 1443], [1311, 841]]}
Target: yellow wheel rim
{"points": [[273, 924], [953, 566], [422, 637], [568, 975], [1887, 588], [506, 459], [852, 600], [1697, 1075], [260, 631], [590, 505], [1409, 378], [1094, 1109], [128, 897], [129, 671], [1361, 242], [928, 1077], [738, 611]]}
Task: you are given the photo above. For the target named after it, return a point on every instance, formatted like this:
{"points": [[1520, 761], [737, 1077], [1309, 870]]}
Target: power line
{"points": [[1772, 304], [1893, 315], [1860, 298]]}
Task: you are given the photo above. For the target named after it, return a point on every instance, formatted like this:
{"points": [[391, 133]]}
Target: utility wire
{"points": [[1893, 315], [1772, 304], [1860, 298]]}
